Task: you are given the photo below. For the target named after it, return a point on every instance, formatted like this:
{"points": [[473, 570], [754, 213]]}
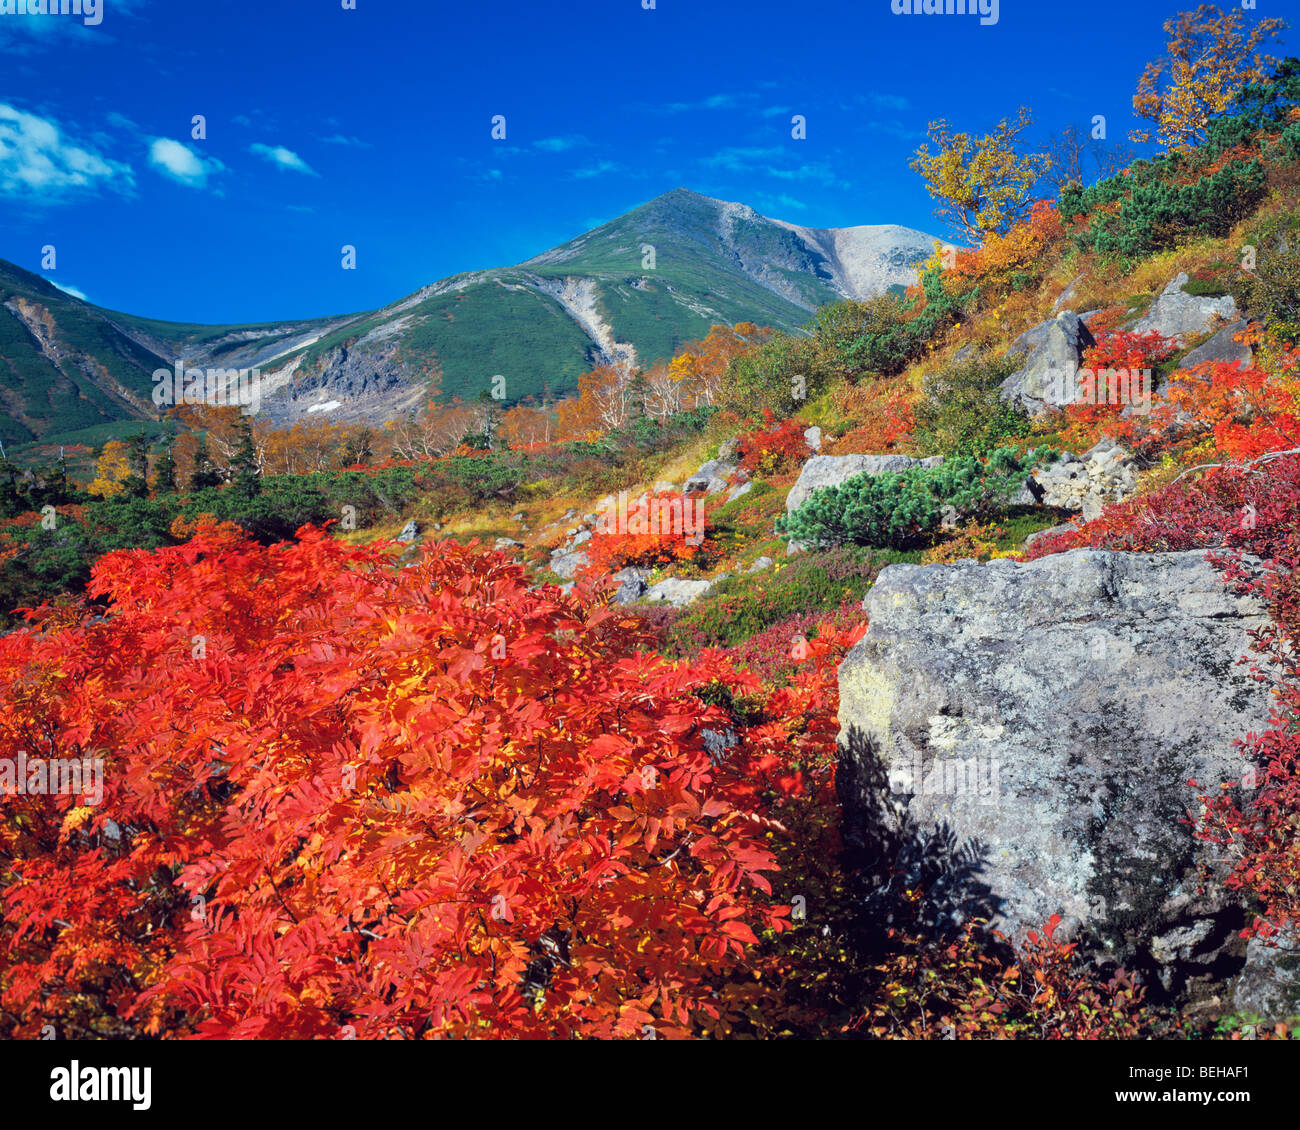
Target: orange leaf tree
{"points": [[1211, 57]]}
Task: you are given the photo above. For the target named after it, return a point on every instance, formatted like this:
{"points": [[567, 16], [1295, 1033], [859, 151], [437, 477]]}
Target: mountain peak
{"points": [[628, 292]]}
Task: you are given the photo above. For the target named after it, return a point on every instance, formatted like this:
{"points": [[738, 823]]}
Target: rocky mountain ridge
{"points": [[628, 292]]}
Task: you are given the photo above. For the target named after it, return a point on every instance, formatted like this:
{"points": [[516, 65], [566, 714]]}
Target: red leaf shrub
{"points": [[661, 529], [341, 798], [1115, 378], [780, 650], [774, 447]]}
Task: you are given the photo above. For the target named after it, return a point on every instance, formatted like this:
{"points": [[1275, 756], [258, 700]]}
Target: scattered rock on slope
{"points": [[568, 561], [678, 592], [1050, 714], [710, 478], [1103, 475], [631, 584], [832, 470], [1053, 352], [1179, 315]]}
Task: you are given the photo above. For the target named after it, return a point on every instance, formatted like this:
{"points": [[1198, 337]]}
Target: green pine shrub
{"points": [[1155, 214], [902, 510], [1271, 293]]}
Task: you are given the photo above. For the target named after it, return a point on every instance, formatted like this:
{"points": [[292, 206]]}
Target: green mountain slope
{"points": [[630, 291], [64, 365]]}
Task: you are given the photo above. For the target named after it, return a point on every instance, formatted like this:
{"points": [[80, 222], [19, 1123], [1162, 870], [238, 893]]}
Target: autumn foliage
{"points": [[1117, 371], [983, 184], [661, 529], [1222, 410], [1210, 57], [774, 446], [974, 988], [1000, 258], [343, 798]]}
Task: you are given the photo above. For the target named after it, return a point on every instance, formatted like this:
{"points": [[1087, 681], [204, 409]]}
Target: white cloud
{"points": [[781, 201], [72, 290], [713, 102], [599, 169], [36, 157], [283, 158], [742, 159], [897, 102], [562, 144], [28, 32], [181, 163], [346, 140], [121, 121], [771, 161]]}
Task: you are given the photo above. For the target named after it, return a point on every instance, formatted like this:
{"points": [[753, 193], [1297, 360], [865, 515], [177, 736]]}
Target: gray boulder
{"points": [[813, 438], [1047, 716], [1033, 338], [1269, 986], [679, 593], [710, 478], [1220, 347], [739, 491], [631, 584], [1053, 352], [567, 562], [832, 470], [1068, 295], [410, 532], [1179, 315]]}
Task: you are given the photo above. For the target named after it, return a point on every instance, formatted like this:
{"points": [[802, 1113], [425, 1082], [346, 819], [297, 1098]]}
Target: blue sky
{"points": [[372, 127]]}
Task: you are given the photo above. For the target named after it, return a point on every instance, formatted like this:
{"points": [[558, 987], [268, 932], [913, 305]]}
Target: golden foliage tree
{"points": [[525, 425], [698, 369], [112, 469], [605, 400], [983, 184], [1211, 56]]}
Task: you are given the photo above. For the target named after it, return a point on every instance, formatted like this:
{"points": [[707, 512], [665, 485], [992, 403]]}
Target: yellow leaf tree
{"points": [[112, 470], [1211, 56], [983, 184]]}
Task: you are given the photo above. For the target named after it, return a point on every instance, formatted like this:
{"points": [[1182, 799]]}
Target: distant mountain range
{"points": [[634, 289]]}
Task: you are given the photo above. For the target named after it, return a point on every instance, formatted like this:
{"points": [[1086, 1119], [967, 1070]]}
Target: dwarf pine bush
{"points": [[902, 509]]}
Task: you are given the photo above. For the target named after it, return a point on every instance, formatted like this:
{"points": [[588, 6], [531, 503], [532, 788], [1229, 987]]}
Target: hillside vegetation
{"points": [[472, 783]]}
